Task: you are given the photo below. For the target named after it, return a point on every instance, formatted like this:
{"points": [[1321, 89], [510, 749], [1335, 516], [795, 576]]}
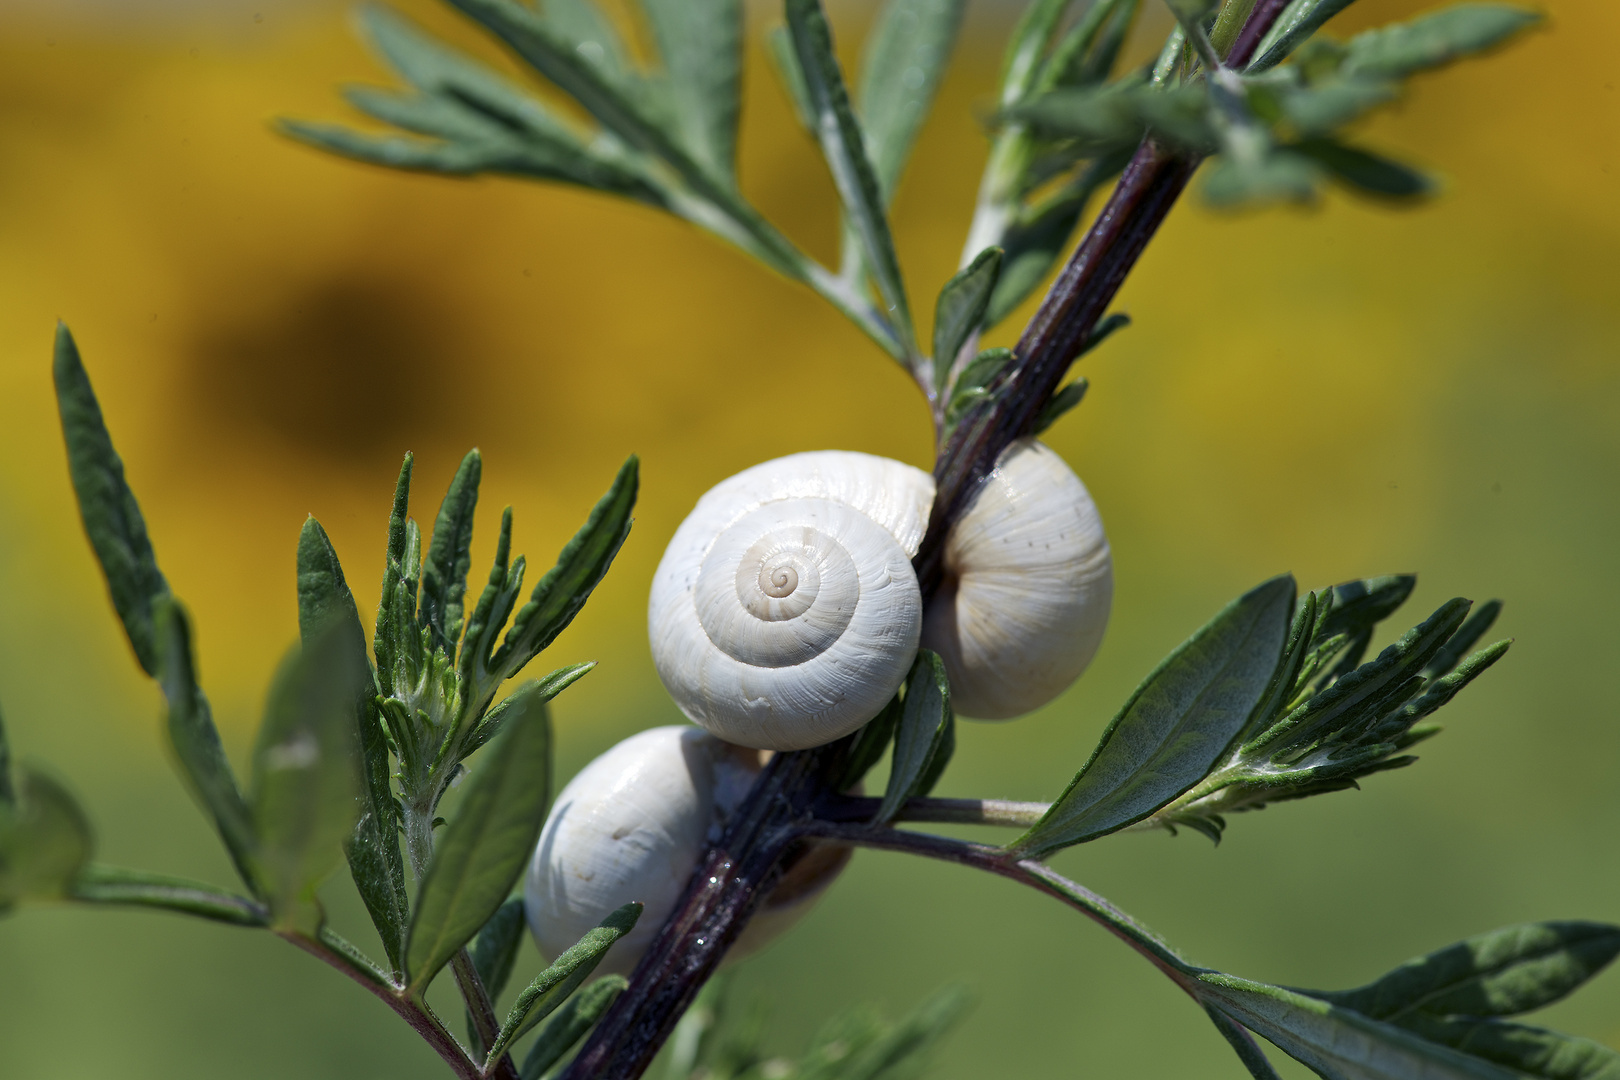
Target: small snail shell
{"points": [[632, 825], [1029, 582], [785, 612]]}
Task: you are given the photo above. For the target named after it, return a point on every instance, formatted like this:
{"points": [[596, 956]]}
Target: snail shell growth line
{"points": [[785, 612]]}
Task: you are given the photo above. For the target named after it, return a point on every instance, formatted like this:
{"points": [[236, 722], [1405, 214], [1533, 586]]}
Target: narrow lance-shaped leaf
{"points": [[1299, 20], [196, 744], [553, 986], [1481, 620], [1363, 170], [307, 777], [1505, 972], [700, 42], [327, 613], [44, 842], [444, 571], [391, 619], [112, 518], [545, 688], [1177, 725], [493, 953], [1434, 39], [843, 145], [481, 853], [578, 1016], [961, 307], [559, 595], [905, 56], [494, 607], [1527, 1050], [925, 736], [1243, 1045], [98, 884], [1338, 1043]]}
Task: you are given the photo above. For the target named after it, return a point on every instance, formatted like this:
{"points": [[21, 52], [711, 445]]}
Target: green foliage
{"points": [[960, 310], [484, 849], [1177, 724], [556, 983], [925, 736], [306, 778], [569, 1025], [711, 1043], [1327, 719], [97, 884], [1435, 1016], [44, 842], [449, 557]]}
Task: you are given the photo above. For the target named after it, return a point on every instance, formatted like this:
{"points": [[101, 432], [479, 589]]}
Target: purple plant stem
{"points": [[1254, 31]]}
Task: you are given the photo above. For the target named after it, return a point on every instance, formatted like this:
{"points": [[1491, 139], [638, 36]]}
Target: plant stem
{"points": [[1020, 815]]}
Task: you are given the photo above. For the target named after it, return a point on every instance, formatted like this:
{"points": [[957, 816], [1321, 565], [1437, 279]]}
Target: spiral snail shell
{"points": [[632, 825], [1029, 582], [785, 612]]}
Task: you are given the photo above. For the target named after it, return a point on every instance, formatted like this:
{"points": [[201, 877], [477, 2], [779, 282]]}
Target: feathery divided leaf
{"points": [[112, 518], [196, 744], [97, 884], [307, 776], [925, 736], [481, 853], [1178, 724], [554, 985], [45, 842]]}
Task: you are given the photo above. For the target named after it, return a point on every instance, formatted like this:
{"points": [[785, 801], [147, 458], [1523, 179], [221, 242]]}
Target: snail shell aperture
{"points": [[1029, 583], [785, 612], [632, 825]]}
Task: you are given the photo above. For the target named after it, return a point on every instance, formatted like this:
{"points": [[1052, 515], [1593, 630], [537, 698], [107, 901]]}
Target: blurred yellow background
{"points": [[1338, 392]]}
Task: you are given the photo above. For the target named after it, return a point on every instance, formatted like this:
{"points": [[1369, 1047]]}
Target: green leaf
{"points": [[1274, 178], [1177, 725], [1027, 45], [8, 794], [1505, 972], [843, 146], [112, 518], [1087, 53], [570, 1024], [307, 777], [545, 688], [1361, 605], [559, 595], [1060, 403], [1529, 1051], [1469, 632], [396, 607], [493, 953], [1243, 1044], [925, 736], [904, 59], [1435, 39], [44, 842], [327, 613], [784, 62], [196, 744], [449, 557], [583, 26], [1338, 1043], [553, 986], [869, 744], [481, 853], [97, 884], [1364, 171], [974, 384], [700, 42], [1299, 20], [1324, 107], [960, 310]]}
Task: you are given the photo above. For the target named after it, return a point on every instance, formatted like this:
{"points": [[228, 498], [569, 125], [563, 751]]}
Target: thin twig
{"points": [[482, 1011], [1006, 812]]}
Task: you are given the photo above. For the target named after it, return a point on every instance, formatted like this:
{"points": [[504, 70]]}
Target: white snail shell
{"points": [[1028, 587], [632, 825], [785, 612]]}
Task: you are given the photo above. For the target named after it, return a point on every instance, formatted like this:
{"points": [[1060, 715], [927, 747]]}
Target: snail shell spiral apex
{"points": [[1029, 582], [785, 612]]}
